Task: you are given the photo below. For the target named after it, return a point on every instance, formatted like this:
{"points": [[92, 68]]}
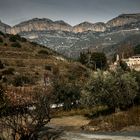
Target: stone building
{"points": [[133, 62]]}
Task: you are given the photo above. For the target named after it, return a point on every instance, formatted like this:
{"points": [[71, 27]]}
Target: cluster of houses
{"points": [[132, 62]]}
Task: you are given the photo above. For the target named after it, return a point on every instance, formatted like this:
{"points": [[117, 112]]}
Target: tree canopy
{"points": [[116, 89], [94, 60], [137, 49]]}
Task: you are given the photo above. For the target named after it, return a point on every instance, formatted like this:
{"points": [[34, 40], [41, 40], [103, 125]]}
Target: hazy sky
{"points": [[71, 11]]}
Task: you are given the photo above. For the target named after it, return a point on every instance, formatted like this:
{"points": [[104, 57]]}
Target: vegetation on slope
{"points": [[31, 70]]}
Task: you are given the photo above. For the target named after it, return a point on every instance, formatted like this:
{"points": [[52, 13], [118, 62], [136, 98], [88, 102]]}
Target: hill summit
{"points": [[71, 40]]}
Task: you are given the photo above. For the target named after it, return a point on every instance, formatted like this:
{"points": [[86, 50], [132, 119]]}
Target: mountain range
{"points": [[71, 40]]}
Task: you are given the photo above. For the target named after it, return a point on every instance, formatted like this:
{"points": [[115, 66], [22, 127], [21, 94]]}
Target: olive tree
{"points": [[67, 94], [116, 90]]}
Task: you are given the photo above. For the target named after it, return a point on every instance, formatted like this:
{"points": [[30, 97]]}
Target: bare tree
{"points": [[26, 116]]}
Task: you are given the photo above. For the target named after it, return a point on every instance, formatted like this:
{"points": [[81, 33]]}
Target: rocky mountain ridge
{"points": [[37, 24], [124, 19], [86, 26], [4, 27], [71, 40], [43, 24]]}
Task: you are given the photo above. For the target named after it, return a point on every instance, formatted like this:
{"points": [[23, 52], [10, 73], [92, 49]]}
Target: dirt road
{"points": [[72, 130]]}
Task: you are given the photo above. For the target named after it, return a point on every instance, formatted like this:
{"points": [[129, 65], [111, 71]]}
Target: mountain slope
{"points": [[37, 24], [21, 59], [4, 27], [86, 26], [123, 19], [70, 41]]}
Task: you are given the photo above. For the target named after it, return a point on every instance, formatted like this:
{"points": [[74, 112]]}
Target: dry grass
{"points": [[118, 120], [73, 112], [27, 61], [80, 111]]}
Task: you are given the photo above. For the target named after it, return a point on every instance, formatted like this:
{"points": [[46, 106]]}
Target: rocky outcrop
{"points": [[70, 41], [40, 25], [4, 27], [45, 24], [123, 19], [86, 26]]}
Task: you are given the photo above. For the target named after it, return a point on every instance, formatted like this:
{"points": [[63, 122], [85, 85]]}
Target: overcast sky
{"points": [[71, 11]]}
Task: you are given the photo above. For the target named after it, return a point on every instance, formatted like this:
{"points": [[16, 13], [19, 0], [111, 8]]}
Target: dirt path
{"points": [[72, 130], [71, 123]]}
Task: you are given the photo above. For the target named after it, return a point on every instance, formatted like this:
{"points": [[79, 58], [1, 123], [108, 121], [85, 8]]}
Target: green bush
{"points": [[12, 38], [115, 90], [94, 60], [66, 93], [137, 49], [124, 66], [136, 74], [16, 45], [1, 33]]}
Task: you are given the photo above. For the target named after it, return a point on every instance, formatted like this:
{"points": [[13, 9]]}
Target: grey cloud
{"points": [[72, 11]]}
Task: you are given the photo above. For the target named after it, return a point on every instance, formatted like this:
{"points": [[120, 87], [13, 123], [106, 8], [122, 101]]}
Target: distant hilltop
{"points": [[71, 40], [44, 24]]}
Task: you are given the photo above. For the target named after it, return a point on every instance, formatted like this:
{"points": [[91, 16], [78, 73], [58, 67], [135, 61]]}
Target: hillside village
{"points": [[132, 62]]}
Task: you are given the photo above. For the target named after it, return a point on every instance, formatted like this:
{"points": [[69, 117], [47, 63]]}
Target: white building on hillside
{"points": [[133, 62]]}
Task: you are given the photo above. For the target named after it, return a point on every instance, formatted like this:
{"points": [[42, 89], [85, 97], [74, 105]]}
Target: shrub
{"points": [[1, 33], [44, 52], [5, 44], [118, 121], [1, 40], [47, 67], [115, 90], [1, 65], [124, 66], [9, 71], [16, 45], [23, 39], [3, 100], [13, 38], [100, 111], [136, 74], [67, 94], [94, 60], [34, 43], [20, 80], [137, 49]]}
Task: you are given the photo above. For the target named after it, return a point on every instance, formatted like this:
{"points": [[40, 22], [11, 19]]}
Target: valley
{"points": [[71, 40]]}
